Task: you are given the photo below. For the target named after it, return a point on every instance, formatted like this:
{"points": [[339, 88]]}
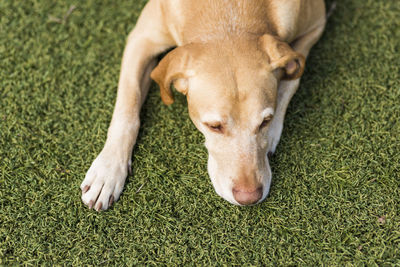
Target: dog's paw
{"points": [[274, 135], [104, 181], [272, 144]]}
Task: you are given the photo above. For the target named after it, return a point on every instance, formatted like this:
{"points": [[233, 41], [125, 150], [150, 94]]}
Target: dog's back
{"points": [[193, 20]]}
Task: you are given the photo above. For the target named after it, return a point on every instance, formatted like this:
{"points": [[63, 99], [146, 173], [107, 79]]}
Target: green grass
{"points": [[335, 197]]}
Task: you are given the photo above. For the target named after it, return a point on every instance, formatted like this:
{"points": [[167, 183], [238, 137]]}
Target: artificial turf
{"points": [[335, 197]]}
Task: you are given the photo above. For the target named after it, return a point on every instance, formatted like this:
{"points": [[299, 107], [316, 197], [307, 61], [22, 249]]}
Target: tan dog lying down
{"points": [[238, 62]]}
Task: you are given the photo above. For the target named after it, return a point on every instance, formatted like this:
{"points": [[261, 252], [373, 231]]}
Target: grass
{"points": [[335, 197]]}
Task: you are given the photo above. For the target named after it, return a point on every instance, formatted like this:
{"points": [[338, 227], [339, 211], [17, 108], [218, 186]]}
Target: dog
{"points": [[238, 62]]}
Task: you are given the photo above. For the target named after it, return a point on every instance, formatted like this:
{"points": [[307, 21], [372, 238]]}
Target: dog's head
{"points": [[231, 88]]}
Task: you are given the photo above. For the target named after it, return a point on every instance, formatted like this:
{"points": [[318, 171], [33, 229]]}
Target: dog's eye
{"points": [[215, 127], [265, 122]]}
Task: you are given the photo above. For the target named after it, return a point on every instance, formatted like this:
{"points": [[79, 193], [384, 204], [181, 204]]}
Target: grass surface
{"points": [[335, 197]]}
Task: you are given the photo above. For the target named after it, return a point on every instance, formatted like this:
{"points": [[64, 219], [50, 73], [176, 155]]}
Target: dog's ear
{"points": [[282, 56], [173, 69]]}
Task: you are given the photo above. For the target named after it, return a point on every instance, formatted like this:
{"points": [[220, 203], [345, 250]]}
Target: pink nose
{"points": [[247, 196]]}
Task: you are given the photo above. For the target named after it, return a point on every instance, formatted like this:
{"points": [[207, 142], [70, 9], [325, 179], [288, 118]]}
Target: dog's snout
{"points": [[247, 196]]}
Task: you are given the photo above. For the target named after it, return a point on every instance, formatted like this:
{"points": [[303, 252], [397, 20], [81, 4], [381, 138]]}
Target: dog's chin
{"points": [[223, 187]]}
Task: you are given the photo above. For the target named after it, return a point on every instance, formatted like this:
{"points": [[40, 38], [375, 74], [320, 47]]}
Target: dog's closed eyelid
{"points": [[265, 122], [215, 127]]}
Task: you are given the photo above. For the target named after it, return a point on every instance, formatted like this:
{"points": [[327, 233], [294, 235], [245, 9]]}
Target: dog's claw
{"points": [[270, 154], [111, 200], [99, 206], [91, 204], [85, 189]]}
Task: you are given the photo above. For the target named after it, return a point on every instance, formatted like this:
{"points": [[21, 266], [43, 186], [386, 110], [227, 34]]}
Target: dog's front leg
{"points": [[287, 89], [105, 178]]}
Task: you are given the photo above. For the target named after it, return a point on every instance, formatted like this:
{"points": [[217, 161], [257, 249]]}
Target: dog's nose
{"points": [[247, 196]]}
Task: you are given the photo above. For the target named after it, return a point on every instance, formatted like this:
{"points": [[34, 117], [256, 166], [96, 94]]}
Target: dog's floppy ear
{"points": [[173, 69], [281, 55]]}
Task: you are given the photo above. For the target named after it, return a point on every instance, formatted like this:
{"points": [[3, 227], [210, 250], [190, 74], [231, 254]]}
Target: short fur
{"points": [[238, 62]]}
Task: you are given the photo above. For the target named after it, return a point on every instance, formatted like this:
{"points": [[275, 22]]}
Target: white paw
{"points": [[104, 181], [274, 135]]}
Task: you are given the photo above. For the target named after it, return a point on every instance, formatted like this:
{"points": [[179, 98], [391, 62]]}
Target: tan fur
{"points": [[237, 61]]}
